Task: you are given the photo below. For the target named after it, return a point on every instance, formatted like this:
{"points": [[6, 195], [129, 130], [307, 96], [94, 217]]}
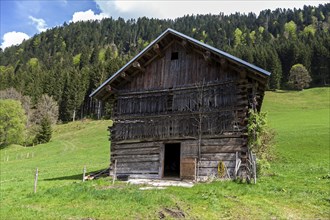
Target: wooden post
{"points": [[255, 171], [114, 173], [36, 181], [195, 169], [84, 173]]}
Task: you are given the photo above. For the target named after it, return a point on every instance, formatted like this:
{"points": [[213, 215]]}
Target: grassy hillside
{"points": [[297, 189]]}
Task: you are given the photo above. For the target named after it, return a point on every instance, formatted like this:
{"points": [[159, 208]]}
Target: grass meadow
{"points": [[297, 187]]}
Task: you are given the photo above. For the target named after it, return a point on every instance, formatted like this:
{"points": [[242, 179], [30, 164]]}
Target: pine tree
{"points": [[45, 131]]}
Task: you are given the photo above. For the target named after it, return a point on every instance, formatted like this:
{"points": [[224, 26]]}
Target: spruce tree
{"points": [[45, 132]]}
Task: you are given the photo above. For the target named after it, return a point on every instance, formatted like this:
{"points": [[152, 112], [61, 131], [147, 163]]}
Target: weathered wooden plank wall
{"points": [[145, 160], [169, 100]]}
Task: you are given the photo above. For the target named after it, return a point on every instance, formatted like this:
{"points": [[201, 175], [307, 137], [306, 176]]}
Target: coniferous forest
{"points": [[70, 61]]}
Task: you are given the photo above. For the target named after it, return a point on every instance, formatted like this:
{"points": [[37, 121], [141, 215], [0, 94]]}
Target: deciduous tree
{"points": [[12, 122], [299, 77]]}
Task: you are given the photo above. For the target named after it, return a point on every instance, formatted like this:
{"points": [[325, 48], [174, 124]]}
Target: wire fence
{"points": [[52, 172]]}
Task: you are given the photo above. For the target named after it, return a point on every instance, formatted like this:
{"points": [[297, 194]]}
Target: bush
{"points": [[261, 140], [262, 167], [299, 77], [260, 136]]}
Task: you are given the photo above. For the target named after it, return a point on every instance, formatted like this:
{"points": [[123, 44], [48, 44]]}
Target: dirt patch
{"points": [[172, 213]]}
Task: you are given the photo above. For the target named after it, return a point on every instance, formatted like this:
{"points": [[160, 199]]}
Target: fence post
{"points": [[84, 173], [36, 181], [255, 171]]}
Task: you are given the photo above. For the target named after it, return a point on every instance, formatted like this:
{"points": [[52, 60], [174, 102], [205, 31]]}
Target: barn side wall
{"points": [[146, 160]]}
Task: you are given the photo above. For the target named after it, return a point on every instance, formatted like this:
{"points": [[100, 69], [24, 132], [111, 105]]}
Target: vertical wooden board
{"points": [[161, 161], [187, 168]]}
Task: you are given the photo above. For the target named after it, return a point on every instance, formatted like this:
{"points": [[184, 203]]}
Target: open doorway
{"points": [[172, 160]]}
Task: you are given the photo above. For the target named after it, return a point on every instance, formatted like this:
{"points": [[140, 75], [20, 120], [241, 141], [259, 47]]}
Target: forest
{"points": [[70, 61]]}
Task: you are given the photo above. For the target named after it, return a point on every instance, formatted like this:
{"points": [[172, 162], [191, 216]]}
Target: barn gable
{"points": [[158, 51], [180, 108]]}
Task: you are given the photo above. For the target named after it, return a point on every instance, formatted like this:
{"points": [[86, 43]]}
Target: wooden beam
{"points": [[138, 66], [186, 46], [207, 56], [242, 73], [223, 63], [126, 76], [156, 48], [110, 89]]}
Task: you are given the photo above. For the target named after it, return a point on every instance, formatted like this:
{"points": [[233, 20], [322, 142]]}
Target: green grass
{"points": [[296, 190]]}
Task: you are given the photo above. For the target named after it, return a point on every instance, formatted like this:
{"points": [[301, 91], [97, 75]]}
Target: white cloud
{"points": [[39, 22], [173, 9], [87, 15], [13, 38]]}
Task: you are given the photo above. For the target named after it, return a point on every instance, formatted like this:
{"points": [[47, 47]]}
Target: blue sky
{"points": [[21, 19]]}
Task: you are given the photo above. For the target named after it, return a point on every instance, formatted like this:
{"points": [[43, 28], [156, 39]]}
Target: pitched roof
{"points": [[170, 31]]}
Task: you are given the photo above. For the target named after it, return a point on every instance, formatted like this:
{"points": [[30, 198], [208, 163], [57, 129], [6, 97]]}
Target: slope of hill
{"points": [[298, 187]]}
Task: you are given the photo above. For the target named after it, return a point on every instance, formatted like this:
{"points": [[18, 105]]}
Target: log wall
{"points": [[145, 160]]}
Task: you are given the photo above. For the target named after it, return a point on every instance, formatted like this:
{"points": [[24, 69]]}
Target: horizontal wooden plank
{"points": [[213, 171], [136, 145], [221, 149], [144, 176], [219, 156], [128, 171], [152, 150], [223, 141], [138, 166], [135, 158], [214, 164]]}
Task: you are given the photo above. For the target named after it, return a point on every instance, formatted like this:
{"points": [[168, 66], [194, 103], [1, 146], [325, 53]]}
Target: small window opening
{"points": [[175, 56]]}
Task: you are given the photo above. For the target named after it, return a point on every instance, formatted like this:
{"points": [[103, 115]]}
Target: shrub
{"points": [[260, 140], [260, 136], [299, 77], [262, 167]]}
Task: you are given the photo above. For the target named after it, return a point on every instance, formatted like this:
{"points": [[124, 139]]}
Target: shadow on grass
{"points": [[78, 176]]}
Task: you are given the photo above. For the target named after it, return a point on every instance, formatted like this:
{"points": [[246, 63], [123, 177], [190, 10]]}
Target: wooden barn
{"points": [[180, 108]]}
